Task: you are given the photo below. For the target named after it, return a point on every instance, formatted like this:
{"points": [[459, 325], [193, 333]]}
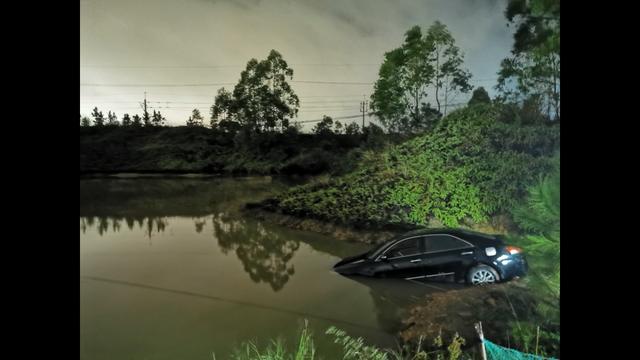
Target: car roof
{"points": [[474, 237]]}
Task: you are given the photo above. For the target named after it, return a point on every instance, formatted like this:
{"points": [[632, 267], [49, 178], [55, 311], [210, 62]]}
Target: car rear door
{"points": [[405, 257], [446, 255]]}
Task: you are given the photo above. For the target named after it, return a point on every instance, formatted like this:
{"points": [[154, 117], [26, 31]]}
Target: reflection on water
{"points": [[104, 224], [265, 254], [170, 268]]}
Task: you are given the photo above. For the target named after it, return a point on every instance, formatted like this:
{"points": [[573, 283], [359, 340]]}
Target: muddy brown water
{"points": [[170, 268]]}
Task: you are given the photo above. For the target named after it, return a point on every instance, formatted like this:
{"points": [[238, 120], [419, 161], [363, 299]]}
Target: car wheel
{"points": [[482, 275]]}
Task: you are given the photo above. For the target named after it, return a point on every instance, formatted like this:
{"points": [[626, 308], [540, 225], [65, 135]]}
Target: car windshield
{"points": [[376, 250]]}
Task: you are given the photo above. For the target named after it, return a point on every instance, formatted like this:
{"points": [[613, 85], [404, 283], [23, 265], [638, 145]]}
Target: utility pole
{"points": [[363, 108]]}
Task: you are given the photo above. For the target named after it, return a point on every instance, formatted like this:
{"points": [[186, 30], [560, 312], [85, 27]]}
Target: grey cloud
{"points": [[195, 33]]}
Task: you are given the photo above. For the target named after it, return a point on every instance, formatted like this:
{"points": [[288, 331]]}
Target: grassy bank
{"points": [[472, 169]]}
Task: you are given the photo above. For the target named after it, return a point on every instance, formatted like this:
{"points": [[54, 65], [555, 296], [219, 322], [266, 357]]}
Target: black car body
{"points": [[436, 253]]}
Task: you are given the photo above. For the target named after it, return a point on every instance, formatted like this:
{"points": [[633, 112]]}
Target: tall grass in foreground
{"points": [[305, 349], [352, 349]]}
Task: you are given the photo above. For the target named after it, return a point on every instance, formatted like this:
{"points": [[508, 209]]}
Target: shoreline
{"points": [[337, 231]]}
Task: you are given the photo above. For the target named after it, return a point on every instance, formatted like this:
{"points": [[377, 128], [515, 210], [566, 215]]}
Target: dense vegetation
{"points": [[539, 218], [475, 164], [110, 149]]}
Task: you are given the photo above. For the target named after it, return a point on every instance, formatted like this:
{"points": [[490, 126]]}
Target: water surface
{"points": [[171, 269]]}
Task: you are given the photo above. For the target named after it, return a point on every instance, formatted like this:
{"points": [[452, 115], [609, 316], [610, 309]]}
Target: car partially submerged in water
{"points": [[440, 253]]}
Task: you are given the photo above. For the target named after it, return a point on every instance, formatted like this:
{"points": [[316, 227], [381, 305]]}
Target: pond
{"points": [[170, 268]]}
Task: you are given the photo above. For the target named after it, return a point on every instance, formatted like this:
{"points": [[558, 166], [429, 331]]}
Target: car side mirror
{"points": [[384, 258]]}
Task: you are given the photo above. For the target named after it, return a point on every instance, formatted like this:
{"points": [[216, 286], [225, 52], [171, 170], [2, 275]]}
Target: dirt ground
{"points": [[458, 310]]}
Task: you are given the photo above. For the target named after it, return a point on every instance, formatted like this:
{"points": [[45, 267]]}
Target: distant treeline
{"points": [[195, 149]]}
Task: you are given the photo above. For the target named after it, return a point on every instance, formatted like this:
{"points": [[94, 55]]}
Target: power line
{"points": [[155, 85], [219, 84], [331, 82], [314, 103], [333, 118], [205, 66], [213, 95]]}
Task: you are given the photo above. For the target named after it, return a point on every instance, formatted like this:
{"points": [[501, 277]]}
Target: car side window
{"points": [[434, 243], [404, 248]]}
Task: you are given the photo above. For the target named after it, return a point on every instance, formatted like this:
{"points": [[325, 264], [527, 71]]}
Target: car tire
{"points": [[482, 275]]}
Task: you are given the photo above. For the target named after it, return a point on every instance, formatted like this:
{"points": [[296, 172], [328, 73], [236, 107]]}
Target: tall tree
{"points": [[126, 120], [112, 119], [98, 117], [447, 59], [146, 118], [338, 127], [401, 85], [137, 121], [262, 100], [195, 119], [533, 69], [221, 110], [352, 129], [423, 63], [157, 119], [324, 127], [84, 121]]}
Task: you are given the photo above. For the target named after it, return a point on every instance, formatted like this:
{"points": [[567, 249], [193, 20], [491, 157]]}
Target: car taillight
{"points": [[513, 250]]}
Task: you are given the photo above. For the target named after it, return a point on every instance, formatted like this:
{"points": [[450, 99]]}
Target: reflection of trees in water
{"points": [[199, 223], [103, 224], [265, 255]]}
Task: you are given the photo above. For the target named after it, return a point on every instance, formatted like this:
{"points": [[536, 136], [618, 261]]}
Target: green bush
{"points": [[470, 167]]}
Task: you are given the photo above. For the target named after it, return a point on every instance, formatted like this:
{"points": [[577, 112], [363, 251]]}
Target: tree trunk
{"points": [[446, 96], [417, 111], [437, 77], [556, 96]]}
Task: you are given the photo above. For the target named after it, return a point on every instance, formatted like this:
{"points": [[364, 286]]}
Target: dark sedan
{"points": [[435, 254]]}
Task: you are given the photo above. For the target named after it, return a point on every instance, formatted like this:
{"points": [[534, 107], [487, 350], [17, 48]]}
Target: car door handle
{"points": [[415, 260], [467, 253]]}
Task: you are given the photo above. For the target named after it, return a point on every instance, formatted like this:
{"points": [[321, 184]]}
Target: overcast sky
{"points": [[186, 42]]}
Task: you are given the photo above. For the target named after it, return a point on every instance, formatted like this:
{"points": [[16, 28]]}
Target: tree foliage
{"points": [[157, 119], [98, 117], [533, 69], [137, 121], [539, 217], [126, 120], [262, 100], [479, 96], [195, 119], [84, 121], [324, 127], [112, 119], [423, 63]]}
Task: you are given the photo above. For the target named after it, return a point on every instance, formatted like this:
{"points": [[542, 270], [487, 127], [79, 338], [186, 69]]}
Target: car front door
{"points": [[446, 255], [403, 259]]}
